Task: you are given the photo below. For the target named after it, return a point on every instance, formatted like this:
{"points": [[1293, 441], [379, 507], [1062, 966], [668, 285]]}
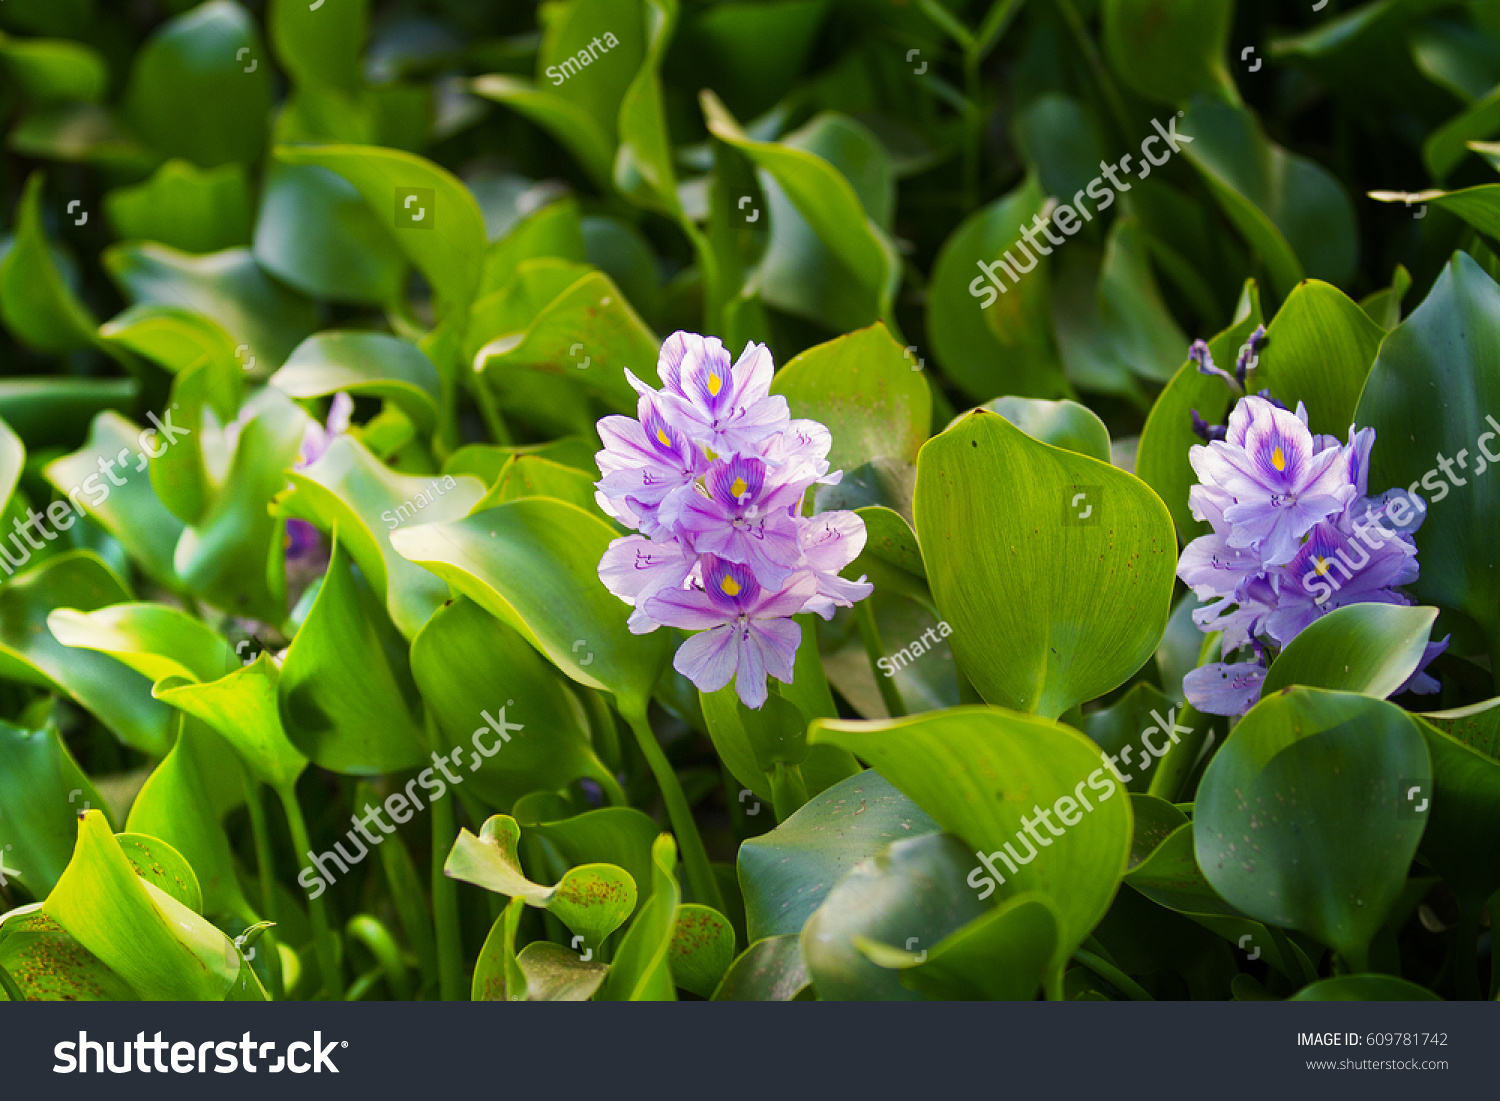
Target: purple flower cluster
{"points": [[712, 471], [1294, 537]]}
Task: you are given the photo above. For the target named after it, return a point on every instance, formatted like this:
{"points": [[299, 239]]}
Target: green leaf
{"points": [[1170, 877], [477, 674], [641, 971], [770, 970], [48, 963], [1005, 346], [867, 391], [497, 974], [534, 564], [369, 364], [1170, 50], [594, 77], [1366, 648], [860, 285], [1429, 397], [243, 709], [346, 691], [1364, 988], [176, 805], [1002, 955], [320, 46], [1319, 349], [155, 640], [186, 208], [1293, 212], [787, 873], [980, 772], [555, 974], [1118, 729], [1064, 424], [447, 243], [200, 88], [592, 900], [316, 233], [42, 790], [1301, 819], [1463, 831], [229, 287], [643, 163], [1059, 590], [702, 948], [1162, 459], [160, 947], [591, 144], [53, 70], [29, 654], [38, 306], [351, 491]]}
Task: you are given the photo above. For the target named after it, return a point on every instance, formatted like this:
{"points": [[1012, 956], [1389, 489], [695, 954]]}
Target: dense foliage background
{"points": [[246, 616]]}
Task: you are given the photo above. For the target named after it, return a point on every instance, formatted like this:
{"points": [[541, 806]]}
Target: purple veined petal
{"points": [[669, 360], [831, 540], [735, 483], [752, 374], [1225, 689], [786, 601], [640, 623], [1212, 568], [711, 658], [340, 412], [617, 509], [690, 609], [635, 568], [836, 592], [775, 642], [750, 681]]}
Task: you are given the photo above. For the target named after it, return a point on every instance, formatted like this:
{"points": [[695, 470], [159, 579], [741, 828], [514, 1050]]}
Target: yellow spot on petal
{"points": [[729, 586], [738, 489], [666, 440], [1278, 459], [715, 384], [1322, 564]]}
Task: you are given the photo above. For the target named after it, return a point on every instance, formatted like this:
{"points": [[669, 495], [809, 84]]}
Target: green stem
{"points": [[700, 873], [864, 615], [323, 940], [8, 984], [266, 871], [499, 431], [445, 905], [373, 934], [1052, 985], [1113, 975], [788, 790], [1177, 764]]}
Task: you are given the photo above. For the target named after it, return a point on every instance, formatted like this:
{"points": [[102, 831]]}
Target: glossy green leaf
{"points": [[1064, 424], [641, 971], [643, 163], [154, 640], [787, 873], [1463, 832], [346, 691], [185, 207], [1318, 350], [49, 70], [981, 772], [866, 390], [316, 233], [702, 948], [911, 893], [534, 564], [1302, 818], [770, 970], [201, 87], [1170, 50], [48, 963], [1056, 592], [243, 709], [589, 142], [120, 698], [1433, 385], [364, 364], [497, 973], [514, 719], [36, 302], [1367, 648], [1364, 988], [555, 974], [42, 790]]}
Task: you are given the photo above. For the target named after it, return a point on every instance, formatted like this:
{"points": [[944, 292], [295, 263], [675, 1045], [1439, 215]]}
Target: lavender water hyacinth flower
{"points": [[713, 473], [1294, 537]]}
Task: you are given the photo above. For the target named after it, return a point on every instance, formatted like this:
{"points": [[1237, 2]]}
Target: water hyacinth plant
{"points": [[475, 537]]}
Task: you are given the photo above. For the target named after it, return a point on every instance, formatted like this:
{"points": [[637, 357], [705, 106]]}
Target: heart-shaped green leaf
{"points": [[36, 302], [1059, 590], [1318, 350], [42, 790], [1367, 648], [153, 639], [185, 207], [702, 948], [1302, 818], [242, 708], [1170, 50], [370, 364]]}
